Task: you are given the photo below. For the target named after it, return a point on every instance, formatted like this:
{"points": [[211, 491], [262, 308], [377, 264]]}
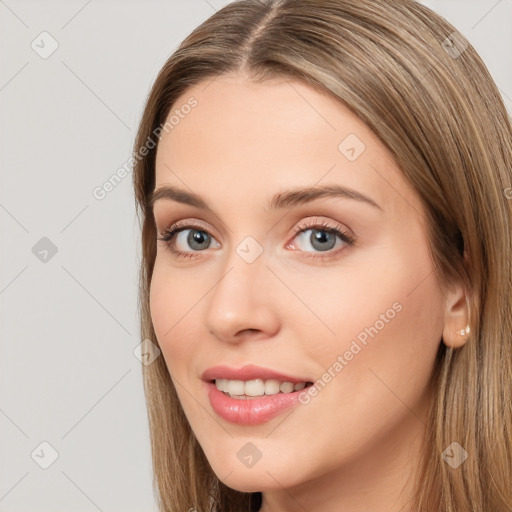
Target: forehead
{"points": [[268, 136]]}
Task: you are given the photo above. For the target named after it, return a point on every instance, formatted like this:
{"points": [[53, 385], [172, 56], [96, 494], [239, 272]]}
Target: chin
{"points": [[252, 483], [259, 478]]}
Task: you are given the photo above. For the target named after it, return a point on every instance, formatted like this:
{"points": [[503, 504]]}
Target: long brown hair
{"points": [[427, 95]]}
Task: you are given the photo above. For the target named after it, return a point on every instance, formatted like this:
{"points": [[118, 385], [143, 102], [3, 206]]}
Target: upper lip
{"points": [[248, 372]]}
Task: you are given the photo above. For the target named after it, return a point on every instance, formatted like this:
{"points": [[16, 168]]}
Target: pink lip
{"points": [[251, 411], [248, 372]]}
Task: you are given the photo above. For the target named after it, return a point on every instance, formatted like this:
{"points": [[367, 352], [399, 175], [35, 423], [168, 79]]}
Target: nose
{"points": [[243, 302]]}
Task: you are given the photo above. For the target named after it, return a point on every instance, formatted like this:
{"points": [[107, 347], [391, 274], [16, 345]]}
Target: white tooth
{"points": [[299, 386], [236, 387], [255, 387], [222, 384], [271, 387], [286, 387]]}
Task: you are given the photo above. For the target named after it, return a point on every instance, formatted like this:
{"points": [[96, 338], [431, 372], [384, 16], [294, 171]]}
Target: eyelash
{"points": [[169, 235]]}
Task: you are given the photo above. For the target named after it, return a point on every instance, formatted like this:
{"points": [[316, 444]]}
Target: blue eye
{"points": [[198, 239], [322, 239]]}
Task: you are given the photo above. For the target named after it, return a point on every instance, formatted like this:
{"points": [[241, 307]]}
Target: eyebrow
{"points": [[281, 200]]}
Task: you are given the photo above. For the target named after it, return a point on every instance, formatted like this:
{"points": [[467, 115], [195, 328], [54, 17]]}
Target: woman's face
{"points": [[264, 279]]}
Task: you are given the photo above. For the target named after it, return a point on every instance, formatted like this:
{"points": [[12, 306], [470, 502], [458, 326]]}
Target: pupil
{"points": [[322, 237], [197, 237]]}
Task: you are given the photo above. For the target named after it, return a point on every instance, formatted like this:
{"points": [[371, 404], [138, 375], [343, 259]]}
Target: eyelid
{"points": [[189, 223], [314, 222]]}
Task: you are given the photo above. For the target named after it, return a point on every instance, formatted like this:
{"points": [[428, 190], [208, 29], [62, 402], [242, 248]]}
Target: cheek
{"points": [[170, 303], [384, 314]]}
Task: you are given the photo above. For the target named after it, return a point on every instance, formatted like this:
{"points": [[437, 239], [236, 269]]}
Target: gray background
{"points": [[68, 326]]}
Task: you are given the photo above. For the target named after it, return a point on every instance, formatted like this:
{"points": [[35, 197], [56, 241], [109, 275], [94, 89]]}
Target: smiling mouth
{"points": [[257, 388]]}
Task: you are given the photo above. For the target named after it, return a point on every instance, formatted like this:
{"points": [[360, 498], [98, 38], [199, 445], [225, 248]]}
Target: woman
{"points": [[324, 192]]}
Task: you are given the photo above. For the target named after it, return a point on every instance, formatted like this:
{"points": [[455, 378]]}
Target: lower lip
{"points": [[251, 411]]}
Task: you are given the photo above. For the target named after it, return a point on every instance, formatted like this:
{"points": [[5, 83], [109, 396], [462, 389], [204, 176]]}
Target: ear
{"points": [[456, 317]]}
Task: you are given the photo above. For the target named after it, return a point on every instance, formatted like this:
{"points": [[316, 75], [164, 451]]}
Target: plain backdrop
{"points": [[71, 392]]}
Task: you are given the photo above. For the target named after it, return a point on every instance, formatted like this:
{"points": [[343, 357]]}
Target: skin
{"points": [[354, 446]]}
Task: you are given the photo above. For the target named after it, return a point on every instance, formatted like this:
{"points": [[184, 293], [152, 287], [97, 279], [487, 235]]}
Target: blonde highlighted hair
{"points": [[425, 92]]}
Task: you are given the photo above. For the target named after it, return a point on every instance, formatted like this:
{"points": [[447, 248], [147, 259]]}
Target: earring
{"points": [[463, 332]]}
